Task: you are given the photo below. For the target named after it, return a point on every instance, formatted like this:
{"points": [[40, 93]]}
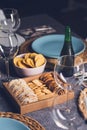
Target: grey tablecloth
{"points": [[43, 116]]}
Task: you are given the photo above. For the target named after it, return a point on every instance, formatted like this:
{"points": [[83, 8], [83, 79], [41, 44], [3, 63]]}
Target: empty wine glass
{"points": [[9, 20], [70, 70], [8, 49]]}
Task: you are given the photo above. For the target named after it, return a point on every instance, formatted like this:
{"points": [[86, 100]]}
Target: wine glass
{"points": [[9, 20], [70, 70], [8, 49]]}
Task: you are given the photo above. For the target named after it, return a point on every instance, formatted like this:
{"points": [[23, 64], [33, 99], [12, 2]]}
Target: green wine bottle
{"points": [[67, 50]]}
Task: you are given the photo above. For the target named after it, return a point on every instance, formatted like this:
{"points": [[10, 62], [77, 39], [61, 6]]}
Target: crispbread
{"points": [[37, 82], [82, 102], [22, 92], [27, 55], [39, 56], [32, 55], [30, 60], [21, 64], [16, 59], [48, 79], [40, 89]]}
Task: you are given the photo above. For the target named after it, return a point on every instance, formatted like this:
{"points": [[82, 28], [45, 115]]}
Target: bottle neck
{"points": [[68, 34]]}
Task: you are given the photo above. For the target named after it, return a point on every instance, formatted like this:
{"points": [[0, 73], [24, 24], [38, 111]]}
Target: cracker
{"points": [[37, 82], [33, 55], [46, 91], [21, 64], [82, 102], [39, 62], [39, 56], [23, 92], [27, 55], [16, 59], [30, 62]]}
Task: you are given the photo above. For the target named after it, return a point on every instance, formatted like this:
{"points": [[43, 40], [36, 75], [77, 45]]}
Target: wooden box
{"points": [[47, 102]]}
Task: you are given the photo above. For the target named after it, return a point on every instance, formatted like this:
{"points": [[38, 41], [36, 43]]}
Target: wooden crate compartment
{"points": [[44, 103]]}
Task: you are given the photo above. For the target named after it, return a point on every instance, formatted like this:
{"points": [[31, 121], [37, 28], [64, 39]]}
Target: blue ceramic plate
{"points": [[51, 45], [12, 124]]}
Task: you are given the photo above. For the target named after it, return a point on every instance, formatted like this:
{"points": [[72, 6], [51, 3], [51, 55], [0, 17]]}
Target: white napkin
{"points": [[20, 38], [2, 16]]}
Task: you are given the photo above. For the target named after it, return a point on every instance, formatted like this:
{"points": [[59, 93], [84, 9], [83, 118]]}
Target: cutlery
{"points": [[43, 29]]}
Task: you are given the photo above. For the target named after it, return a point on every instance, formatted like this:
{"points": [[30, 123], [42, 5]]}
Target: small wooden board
{"points": [[47, 102]]}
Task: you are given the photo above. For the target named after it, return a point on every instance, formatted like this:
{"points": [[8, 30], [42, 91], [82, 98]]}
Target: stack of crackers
{"points": [[82, 102], [36, 89], [22, 92], [40, 89], [29, 60]]}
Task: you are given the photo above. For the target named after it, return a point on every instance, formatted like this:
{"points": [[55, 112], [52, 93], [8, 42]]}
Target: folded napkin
{"points": [[37, 31], [2, 15], [19, 38]]}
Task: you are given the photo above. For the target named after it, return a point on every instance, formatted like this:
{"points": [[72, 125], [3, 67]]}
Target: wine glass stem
{"points": [[67, 99], [7, 68], [67, 102]]}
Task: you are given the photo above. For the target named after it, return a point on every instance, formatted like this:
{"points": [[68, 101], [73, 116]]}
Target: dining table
{"points": [[43, 116]]}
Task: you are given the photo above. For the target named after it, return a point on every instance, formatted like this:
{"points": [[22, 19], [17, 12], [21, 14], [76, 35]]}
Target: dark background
{"points": [[68, 12]]}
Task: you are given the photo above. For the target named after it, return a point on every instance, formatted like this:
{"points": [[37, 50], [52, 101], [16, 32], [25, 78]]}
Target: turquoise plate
{"points": [[51, 45], [12, 124]]}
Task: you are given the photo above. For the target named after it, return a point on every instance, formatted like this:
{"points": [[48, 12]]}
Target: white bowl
{"points": [[24, 72]]}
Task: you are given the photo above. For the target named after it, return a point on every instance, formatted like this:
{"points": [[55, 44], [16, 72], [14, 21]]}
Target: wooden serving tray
{"points": [[44, 103]]}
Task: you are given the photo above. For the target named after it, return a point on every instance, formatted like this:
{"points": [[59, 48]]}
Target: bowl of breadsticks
{"points": [[29, 64]]}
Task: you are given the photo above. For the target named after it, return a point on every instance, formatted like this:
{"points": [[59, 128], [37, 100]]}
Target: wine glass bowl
{"points": [[69, 68], [10, 21], [8, 46], [8, 49]]}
